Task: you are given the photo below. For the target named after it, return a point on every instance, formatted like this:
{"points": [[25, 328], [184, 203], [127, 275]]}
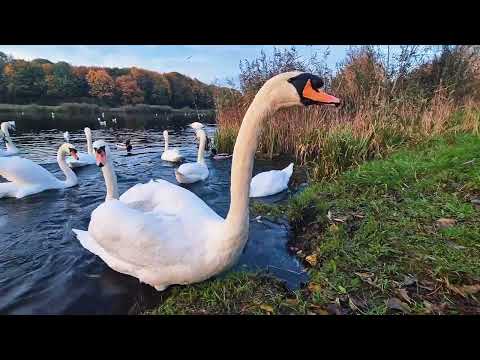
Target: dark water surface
{"points": [[45, 270]]}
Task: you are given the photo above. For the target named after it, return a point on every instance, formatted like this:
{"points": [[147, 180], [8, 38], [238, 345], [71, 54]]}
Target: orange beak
{"points": [[319, 96]]}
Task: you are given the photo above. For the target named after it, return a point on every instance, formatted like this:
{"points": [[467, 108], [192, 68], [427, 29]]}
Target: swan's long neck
{"points": [[70, 177], [165, 136], [88, 134], [201, 148], [110, 181], [10, 145], [243, 159]]}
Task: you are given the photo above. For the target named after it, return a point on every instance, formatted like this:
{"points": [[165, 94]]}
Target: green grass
{"points": [[374, 240]]}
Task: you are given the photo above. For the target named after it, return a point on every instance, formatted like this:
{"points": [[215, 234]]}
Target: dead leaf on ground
{"points": [[334, 309], [471, 289], [292, 301], [313, 287], [267, 308], [312, 259], [444, 223], [403, 293], [364, 275], [409, 280], [318, 310], [433, 308], [397, 304], [333, 228]]}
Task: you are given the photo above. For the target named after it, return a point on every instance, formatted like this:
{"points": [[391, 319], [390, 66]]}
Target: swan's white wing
{"points": [[193, 170], [268, 183], [24, 171], [158, 247], [167, 198], [172, 155], [83, 160]]}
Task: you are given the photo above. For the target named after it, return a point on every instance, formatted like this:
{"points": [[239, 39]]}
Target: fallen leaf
{"points": [[334, 309], [342, 219], [266, 308], [404, 295], [397, 304], [409, 280], [318, 310], [444, 223], [364, 275], [333, 228], [292, 301], [313, 287], [433, 308], [471, 289], [312, 259], [454, 288], [428, 306]]}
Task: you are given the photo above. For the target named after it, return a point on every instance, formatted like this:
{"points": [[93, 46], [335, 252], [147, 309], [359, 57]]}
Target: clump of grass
{"points": [[237, 293]]}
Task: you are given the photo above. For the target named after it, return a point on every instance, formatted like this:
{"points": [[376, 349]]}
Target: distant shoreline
{"points": [[70, 116]]}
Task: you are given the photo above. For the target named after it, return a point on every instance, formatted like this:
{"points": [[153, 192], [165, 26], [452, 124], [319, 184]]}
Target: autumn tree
{"points": [[161, 92], [25, 81], [128, 90], [101, 84], [182, 94]]}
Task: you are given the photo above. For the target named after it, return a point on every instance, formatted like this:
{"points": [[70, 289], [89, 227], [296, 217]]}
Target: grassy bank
{"points": [[395, 235], [74, 116]]}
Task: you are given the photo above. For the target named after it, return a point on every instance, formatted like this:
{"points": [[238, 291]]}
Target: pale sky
{"points": [[204, 62]]}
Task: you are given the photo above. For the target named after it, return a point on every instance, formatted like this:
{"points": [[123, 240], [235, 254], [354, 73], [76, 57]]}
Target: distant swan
{"points": [[270, 182], [82, 159], [196, 125], [172, 155], [164, 234], [11, 148], [192, 172], [26, 177]]}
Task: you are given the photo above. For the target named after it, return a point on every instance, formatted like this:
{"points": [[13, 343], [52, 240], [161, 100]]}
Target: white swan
{"points": [[11, 148], [164, 234], [82, 159], [172, 155], [270, 182], [192, 172], [26, 177], [196, 125]]}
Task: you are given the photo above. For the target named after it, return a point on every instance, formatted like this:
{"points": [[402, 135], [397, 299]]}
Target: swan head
{"points": [[165, 134], [87, 131], [7, 125], [297, 88], [102, 153], [68, 149]]}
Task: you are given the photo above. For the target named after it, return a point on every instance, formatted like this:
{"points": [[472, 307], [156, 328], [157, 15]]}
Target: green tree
{"points": [[25, 81]]}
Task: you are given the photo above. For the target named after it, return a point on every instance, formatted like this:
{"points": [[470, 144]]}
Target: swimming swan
{"points": [[11, 148], [82, 158], [164, 234], [270, 182], [172, 155], [26, 177], [196, 125], [192, 172]]}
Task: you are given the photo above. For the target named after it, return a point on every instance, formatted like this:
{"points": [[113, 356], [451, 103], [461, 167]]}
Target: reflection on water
{"points": [[44, 269]]}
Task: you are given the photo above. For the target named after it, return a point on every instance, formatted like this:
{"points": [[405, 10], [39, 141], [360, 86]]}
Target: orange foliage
{"points": [[101, 84], [129, 91]]}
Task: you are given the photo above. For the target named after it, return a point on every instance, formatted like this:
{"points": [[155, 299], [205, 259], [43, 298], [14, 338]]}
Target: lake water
{"points": [[45, 270]]}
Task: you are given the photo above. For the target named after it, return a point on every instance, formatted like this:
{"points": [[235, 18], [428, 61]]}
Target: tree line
{"points": [[43, 82]]}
